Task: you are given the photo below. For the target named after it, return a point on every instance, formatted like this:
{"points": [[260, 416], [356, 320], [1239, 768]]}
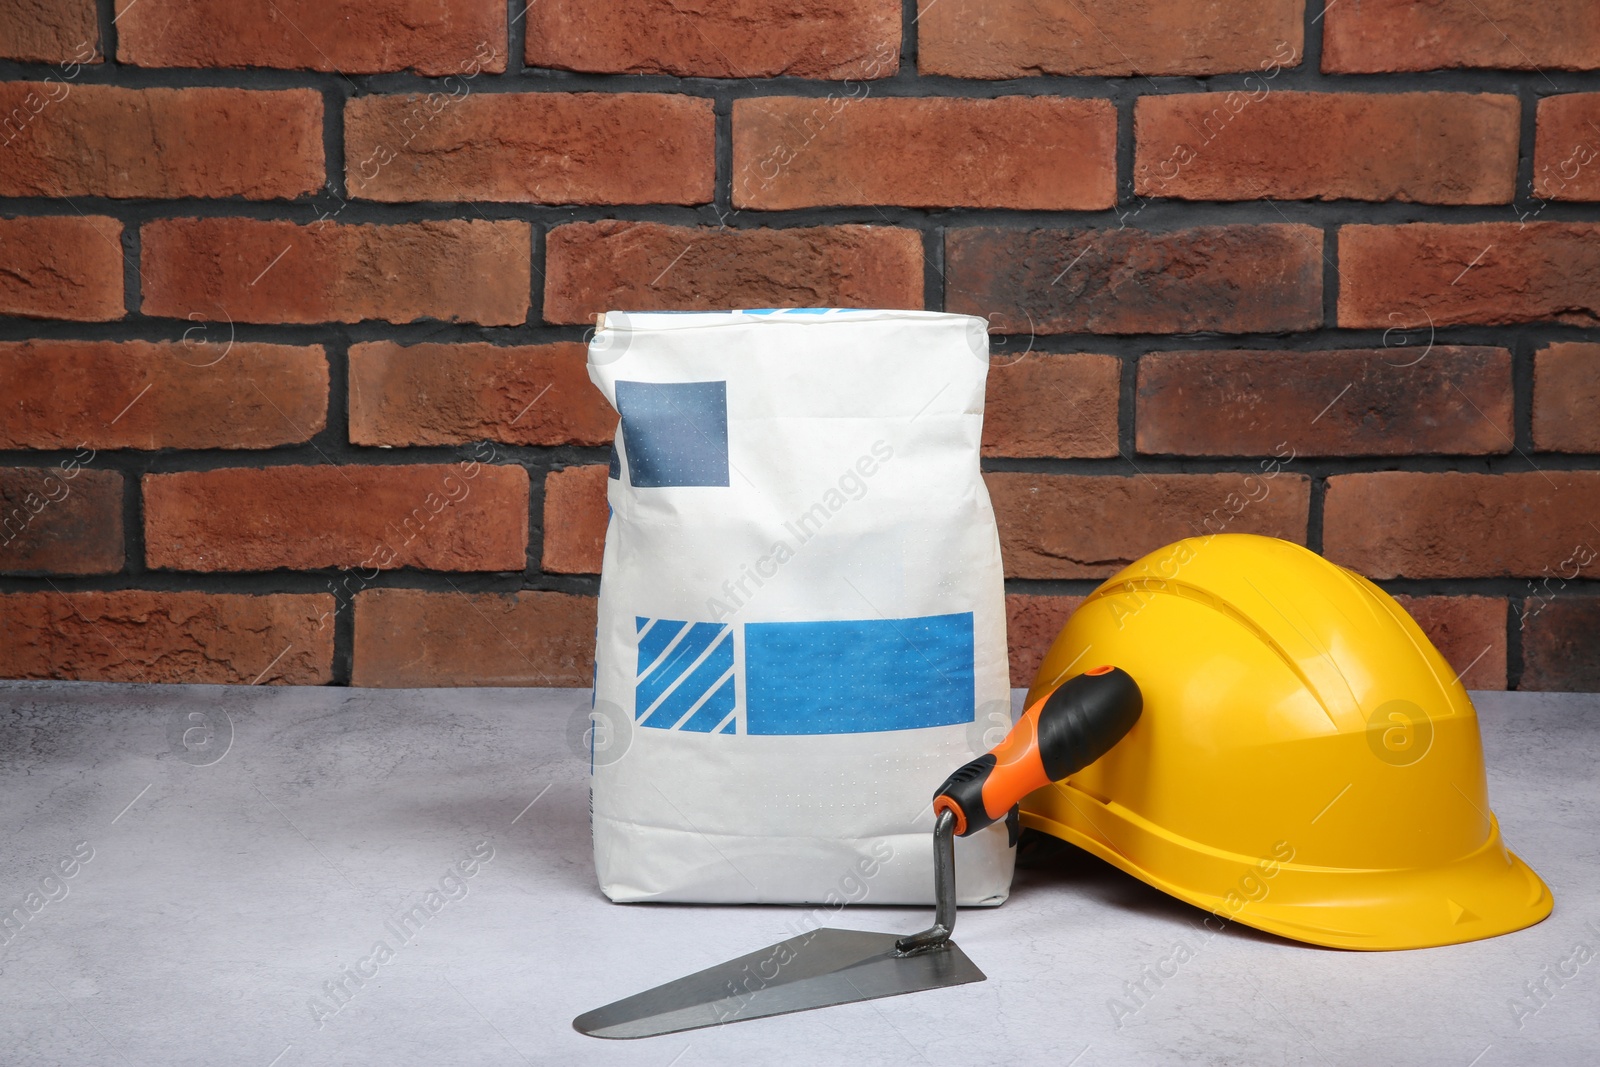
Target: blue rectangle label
{"points": [[859, 675]]}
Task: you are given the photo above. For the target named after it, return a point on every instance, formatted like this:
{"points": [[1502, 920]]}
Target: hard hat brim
{"points": [[1484, 894]]}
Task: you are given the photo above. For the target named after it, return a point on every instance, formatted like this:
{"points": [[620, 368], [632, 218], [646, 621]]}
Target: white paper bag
{"points": [[802, 613]]}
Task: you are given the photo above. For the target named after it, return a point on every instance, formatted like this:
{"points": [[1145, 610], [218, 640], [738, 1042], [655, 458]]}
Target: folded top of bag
{"points": [[673, 320]]}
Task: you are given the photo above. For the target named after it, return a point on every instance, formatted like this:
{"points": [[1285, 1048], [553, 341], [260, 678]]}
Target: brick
{"points": [[50, 31], [60, 520], [1559, 652], [591, 267], [1469, 631], [1019, 38], [458, 517], [1566, 147], [542, 148], [1363, 402], [247, 270], [1049, 405], [1488, 273], [1566, 395], [444, 394], [163, 394], [1390, 35], [1032, 623], [407, 637], [1091, 526], [1048, 153], [102, 140], [575, 518], [1130, 281], [729, 39], [1402, 524], [1425, 148], [345, 36], [61, 268], [135, 635]]}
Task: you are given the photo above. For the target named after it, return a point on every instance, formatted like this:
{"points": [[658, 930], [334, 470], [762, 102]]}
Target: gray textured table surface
{"points": [[219, 898]]}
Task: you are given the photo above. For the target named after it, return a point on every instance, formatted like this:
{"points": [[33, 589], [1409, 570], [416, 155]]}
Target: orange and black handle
{"points": [[1061, 734]]}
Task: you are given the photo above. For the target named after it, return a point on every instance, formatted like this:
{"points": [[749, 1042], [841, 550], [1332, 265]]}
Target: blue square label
{"points": [[677, 432]]}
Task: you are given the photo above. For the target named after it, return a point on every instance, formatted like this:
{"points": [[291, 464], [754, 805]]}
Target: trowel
{"points": [[1059, 735]]}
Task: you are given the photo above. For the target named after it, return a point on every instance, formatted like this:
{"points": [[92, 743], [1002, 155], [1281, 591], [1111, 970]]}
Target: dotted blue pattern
{"points": [[677, 432], [859, 676]]}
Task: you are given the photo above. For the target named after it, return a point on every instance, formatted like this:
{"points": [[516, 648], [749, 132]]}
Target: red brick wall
{"points": [[292, 300]]}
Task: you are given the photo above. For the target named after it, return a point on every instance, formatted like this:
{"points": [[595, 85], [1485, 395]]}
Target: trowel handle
{"points": [[1059, 735]]}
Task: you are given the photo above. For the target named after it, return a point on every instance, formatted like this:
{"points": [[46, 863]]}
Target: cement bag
{"points": [[802, 619]]}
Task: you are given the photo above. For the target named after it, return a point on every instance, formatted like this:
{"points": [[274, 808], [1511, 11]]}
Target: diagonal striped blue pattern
{"points": [[715, 714], [684, 678], [654, 637]]}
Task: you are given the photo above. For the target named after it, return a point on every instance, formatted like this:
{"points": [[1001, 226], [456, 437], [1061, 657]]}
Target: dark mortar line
{"points": [[516, 37], [342, 584], [1128, 406], [1510, 590], [1315, 19], [106, 18], [335, 433], [1330, 276], [132, 524], [905, 82], [1310, 466], [909, 25], [933, 268], [344, 641], [536, 278], [176, 331], [1320, 339], [541, 460], [1153, 215], [326, 447], [1528, 109], [1315, 504], [533, 566], [132, 289], [1124, 161], [1523, 384], [1515, 652], [1053, 586], [722, 158], [334, 187]]}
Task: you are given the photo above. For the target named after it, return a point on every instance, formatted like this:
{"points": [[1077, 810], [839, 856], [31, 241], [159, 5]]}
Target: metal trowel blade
{"points": [[813, 970]]}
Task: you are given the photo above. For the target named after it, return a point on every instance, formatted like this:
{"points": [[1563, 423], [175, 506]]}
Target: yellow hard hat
{"points": [[1307, 763]]}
